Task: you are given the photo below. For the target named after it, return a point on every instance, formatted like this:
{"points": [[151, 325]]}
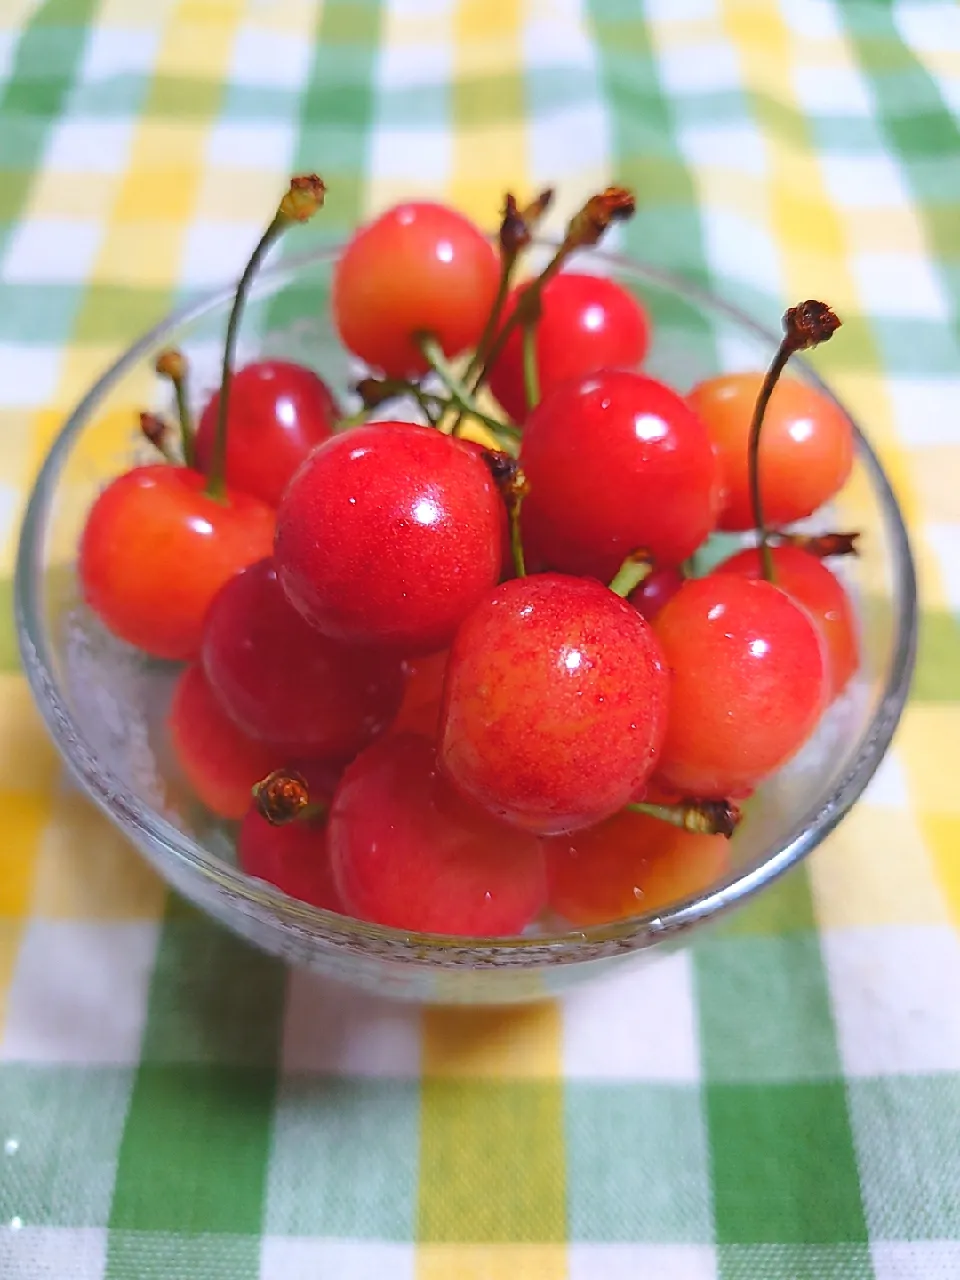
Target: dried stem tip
{"points": [[823, 545], [377, 391], [809, 324], [305, 197], [615, 204], [703, 817], [155, 430], [518, 225], [281, 797], [172, 364], [506, 472]]}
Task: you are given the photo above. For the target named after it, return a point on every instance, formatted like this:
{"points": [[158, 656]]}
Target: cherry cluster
{"points": [[453, 673]]}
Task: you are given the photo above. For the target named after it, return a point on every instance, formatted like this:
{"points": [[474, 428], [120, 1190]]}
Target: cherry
{"points": [[282, 681], [420, 267], [278, 411], [806, 449], [555, 703], [156, 549], [806, 579], [408, 851], [655, 590], [629, 865], [749, 683], [388, 535], [586, 323], [420, 710], [220, 761], [615, 462], [294, 856]]}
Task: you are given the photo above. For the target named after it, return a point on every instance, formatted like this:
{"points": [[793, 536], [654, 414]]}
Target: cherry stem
{"points": [[804, 326], [513, 487], [822, 545], [703, 817], [283, 797], [514, 504], [460, 397], [171, 364], [158, 433], [631, 573], [531, 373], [303, 198], [526, 310], [508, 262]]}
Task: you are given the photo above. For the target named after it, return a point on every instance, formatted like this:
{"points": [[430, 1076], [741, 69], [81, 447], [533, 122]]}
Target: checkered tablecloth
{"points": [[778, 1102]]}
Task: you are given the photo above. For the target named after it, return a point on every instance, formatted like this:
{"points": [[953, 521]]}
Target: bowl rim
{"points": [[569, 946]]}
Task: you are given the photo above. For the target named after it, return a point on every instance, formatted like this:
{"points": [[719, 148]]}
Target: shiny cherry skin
{"points": [[586, 323], [616, 462], [749, 682], [388, 535], [408, 851], [155, 550], [806, 446], [278, 412], [806, 579], [655, 590], [630, 865], [420, 267], [555, 703], [282, 681], [420, 710], [293, 857], [220, 761]]}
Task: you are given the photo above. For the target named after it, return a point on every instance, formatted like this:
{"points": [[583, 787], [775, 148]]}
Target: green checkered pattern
{"points": [[780, 1101]]}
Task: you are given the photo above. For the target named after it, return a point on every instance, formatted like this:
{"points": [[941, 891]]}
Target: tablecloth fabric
{"points": [[779, 1101]]}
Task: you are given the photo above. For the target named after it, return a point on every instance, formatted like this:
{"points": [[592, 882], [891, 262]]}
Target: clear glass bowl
{"points": [[104, 704]]}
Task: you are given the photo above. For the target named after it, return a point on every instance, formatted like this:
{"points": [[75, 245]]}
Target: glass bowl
{"points": [[104, 704]]}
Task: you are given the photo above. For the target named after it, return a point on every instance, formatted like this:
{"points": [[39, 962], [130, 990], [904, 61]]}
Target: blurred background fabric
{"points": [[780, 1101]]}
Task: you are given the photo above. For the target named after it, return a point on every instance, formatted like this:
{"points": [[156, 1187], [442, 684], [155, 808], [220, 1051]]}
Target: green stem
{"points": [[459, 395], [519, 313], [514, 504], [187, 433], [352, 419], [630, 574], [216, 474], [705, 817], [471, 411], [784, 352], [507, 263], [531, 373]]}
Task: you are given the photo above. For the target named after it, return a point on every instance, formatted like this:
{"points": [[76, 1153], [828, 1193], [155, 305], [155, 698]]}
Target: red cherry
{"points": [[389, 536], [655, 590], [282, 681], [407, 851], [418, 268], [806, 446], [749, 684], [806, 579], [629, 865], [220, 761], [586, 323], [294, 857], [616, 462], [278, 412], [156, 549], [420, 710], [555, 703]]}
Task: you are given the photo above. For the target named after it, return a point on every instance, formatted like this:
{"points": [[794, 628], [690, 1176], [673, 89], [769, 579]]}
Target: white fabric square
{"points": [[52, 1253], [700, 68], [555, 36], [306, 1258], [51, 250], [945, 541], [832, 90], [396, 153], [81, 144], [28, 375], [8, 43], [333, 1030], [642, 1262], [922, 408], [814, 19], [79, 993], [570, 140], [270, 59], [119, 51], [638, 1024], [900, 284], [888, 786], [931, 27], [680, 10], [743, 250], [915, 1259], [864, 182], [725, 146], [896, 998], [402, 66], [214, 253], [266, 147]]}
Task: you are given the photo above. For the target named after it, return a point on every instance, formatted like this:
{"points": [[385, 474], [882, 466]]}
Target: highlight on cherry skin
{"points": [[476, 686]]}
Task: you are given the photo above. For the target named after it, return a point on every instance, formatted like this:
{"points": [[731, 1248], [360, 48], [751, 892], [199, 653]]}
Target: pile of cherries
{"points": [[457, 675]]}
